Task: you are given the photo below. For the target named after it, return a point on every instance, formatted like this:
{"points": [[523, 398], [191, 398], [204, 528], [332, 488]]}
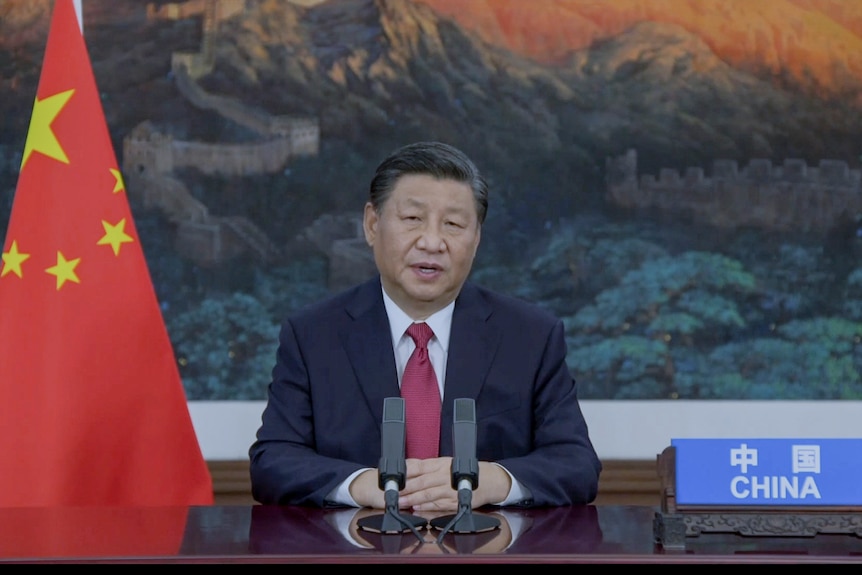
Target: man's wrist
{"points": [[364, 490]]}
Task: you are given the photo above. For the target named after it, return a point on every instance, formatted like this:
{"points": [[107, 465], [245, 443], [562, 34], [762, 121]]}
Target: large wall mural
{"points": [[679, 180]]}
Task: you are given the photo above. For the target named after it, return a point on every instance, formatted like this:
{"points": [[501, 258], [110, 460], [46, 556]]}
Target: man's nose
{"points": [[431, 239]]}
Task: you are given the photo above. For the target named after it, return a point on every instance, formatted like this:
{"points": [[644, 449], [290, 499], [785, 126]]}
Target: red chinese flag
{"points": [[92, 408]]}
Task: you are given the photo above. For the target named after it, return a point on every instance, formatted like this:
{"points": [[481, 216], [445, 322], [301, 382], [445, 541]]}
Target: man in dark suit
{"points": [[319, 440]]}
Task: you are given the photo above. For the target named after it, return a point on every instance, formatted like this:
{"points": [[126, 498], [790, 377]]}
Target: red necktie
{"points": [[421, 397]]}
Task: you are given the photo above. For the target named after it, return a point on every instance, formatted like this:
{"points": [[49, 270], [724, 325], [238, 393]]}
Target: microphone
{"points": [[392, 474], [392, 468], [465, 475]]}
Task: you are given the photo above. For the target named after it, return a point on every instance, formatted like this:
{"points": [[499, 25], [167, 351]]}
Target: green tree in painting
{"points": [[852, 303], [624, 344], [225, 347], [818, 358], [699, 326]]}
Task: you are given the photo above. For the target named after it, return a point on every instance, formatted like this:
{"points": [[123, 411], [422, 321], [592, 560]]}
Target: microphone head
{"points": [[392, 465], [464, 411], [465, 465]]}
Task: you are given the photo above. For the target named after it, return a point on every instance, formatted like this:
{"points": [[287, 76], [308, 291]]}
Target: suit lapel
{"points": [[472, 345], [369, 346]]}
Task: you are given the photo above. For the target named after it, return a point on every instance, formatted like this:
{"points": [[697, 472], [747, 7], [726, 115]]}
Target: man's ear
{"points": [[478, 240], [369, 223]]}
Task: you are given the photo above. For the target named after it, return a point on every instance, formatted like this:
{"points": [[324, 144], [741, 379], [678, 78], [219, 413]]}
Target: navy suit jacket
{"points": [[335, 365]]}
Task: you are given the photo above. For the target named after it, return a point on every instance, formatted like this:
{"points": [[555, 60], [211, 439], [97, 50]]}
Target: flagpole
{"points": [[80, 14]]}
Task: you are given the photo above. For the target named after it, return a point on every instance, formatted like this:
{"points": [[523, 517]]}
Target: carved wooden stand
{"points": [[675, 522]]}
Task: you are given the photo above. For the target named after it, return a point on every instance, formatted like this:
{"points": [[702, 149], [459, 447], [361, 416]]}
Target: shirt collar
{"points": [[440, 322]]}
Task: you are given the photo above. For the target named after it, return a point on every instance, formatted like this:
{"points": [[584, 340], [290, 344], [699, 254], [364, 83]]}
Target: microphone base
{"points": [[469, 523], [386, 523]]}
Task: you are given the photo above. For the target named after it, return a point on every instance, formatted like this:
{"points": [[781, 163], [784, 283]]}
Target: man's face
{"points": [[424, 240]]}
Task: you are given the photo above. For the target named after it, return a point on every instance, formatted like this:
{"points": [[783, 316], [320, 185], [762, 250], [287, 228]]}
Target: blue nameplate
{"points": [[768, 472]]}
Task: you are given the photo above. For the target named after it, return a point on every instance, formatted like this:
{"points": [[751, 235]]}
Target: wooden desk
{"points": [[268, 534]]}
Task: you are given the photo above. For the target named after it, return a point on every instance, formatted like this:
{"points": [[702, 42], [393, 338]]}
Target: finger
{"points": [[430, 486], [436, 498], [417, 467], [438, 504]]}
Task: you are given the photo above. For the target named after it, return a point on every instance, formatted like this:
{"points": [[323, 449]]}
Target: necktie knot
{"points": [[421, 334]]}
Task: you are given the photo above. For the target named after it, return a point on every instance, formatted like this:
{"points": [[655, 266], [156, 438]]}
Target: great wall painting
{"points": [[150, 158], [690, 207], [791, 196]]}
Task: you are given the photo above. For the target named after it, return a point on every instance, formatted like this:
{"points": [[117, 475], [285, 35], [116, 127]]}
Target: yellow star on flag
{"points": [[12, 261], [115, 235], [119, 186], [40, 137], [64, 270]]}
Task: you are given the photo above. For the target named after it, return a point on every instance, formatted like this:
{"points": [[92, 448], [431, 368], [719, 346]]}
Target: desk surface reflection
{"points": [[271, 534]]}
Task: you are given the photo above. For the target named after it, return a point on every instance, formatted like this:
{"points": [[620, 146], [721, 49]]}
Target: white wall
{"points": [[619, 429]]}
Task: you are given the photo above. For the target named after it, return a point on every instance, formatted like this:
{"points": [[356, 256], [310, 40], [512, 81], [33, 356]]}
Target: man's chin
{"points": [[427, 296]]}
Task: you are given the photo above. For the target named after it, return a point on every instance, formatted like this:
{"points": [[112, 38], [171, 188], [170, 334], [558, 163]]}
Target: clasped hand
{"points": [[428, 486]]}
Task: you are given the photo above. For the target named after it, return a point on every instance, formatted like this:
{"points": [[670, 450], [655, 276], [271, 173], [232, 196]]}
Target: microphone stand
{"points": [[393, 521], [464, 521]]}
